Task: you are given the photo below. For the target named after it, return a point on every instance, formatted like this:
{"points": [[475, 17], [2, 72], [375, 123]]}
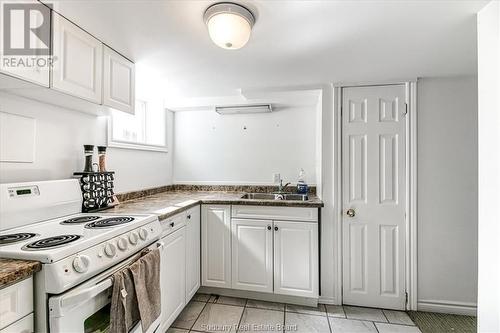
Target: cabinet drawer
{"points": [[275, 213], [16, 302], [173, 223], [24, 325]]}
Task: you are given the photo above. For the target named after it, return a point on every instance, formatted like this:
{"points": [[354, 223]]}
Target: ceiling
{"points": [[293, 43]]}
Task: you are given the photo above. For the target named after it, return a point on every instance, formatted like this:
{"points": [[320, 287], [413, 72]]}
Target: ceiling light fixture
{"points": [[244, 109], [229, 25]]}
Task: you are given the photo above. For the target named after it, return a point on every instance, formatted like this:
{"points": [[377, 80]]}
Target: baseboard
{"points": [[327, 300], [460, 308], [269, 297]]}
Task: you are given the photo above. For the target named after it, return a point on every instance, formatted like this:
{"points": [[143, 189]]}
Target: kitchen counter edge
{"points": [[14, 270]]}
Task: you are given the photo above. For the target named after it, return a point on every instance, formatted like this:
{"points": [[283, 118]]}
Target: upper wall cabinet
{"points": [[33, 71], [119, 81], [78, 68]]}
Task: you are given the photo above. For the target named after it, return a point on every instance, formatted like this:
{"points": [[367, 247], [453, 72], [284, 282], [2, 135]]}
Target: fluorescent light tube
{"points": [[243, 109]]}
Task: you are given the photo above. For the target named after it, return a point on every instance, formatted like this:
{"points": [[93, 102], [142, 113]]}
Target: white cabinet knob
{"points": [[81, 263], [143, 233], [133, 238], [122, 243], [110, 250]]}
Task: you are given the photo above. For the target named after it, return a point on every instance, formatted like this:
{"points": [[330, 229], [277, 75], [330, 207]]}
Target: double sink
{"points": [[276, 196]]}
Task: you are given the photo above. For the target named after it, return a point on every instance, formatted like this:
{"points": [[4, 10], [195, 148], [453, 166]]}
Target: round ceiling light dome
{"points": [[229, 25]]}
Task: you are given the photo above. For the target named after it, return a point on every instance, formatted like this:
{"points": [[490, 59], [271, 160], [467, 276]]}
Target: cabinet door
{"points": [[296, 258], [16, 302], [216, 245], [252, 255], [78, 68], [173, 276], [34, 67], [119, 81], [193, 252]]}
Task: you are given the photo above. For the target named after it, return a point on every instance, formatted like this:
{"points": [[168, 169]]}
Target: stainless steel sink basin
{"points": [[276, 196]]}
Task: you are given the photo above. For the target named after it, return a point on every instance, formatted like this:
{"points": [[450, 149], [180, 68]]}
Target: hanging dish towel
{"points": [[124, 307], [146, 274]]}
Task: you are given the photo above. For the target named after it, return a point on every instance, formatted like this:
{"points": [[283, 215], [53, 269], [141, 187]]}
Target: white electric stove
{"points": [[78, 251]]}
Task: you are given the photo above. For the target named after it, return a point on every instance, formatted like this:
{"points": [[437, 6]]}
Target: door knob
{"points": [[350, 212]]}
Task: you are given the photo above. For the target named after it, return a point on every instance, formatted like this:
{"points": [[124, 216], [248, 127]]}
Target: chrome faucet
{"points": [[281, 188]]}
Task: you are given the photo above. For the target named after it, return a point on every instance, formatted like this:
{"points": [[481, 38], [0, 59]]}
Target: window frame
{"points": [[135, 145]]}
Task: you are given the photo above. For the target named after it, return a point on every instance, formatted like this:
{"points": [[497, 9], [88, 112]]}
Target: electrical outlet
{"points": [[276, 178]]}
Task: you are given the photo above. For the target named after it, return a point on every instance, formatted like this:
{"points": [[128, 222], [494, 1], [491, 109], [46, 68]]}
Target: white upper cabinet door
{"points": [[374, 196], [216, 245], [296, 258], [77, 69], [173, 277], [252, 255], [193, 252], [36, 68], [119, 81]]}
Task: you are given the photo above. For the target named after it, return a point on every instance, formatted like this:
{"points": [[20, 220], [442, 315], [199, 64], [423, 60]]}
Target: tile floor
{"points": [[209, 313]]}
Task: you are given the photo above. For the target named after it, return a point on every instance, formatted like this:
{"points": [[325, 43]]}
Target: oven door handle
{"points": [[85, 294]]}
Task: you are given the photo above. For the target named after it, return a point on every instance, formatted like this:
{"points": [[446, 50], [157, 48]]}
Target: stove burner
{"points": [[15, 238], [109, 222], [80, 219], [51, 242]]}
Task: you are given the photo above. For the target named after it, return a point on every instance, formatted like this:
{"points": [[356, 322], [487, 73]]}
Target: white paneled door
{"points": [[78, 69], [374, 195], [252, 255], [296, 259], [216, 246], [119, 81]]}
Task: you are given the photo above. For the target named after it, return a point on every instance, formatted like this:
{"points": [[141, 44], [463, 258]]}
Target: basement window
{"points": [[145, 130]]}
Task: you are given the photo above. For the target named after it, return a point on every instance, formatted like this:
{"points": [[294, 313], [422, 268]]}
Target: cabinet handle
{"points": [[276, 228], [189, 216], [269, 227], [172, 224]]}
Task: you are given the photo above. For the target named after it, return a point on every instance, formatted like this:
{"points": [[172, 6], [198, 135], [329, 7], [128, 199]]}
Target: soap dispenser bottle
{"points": [[302, 187]]}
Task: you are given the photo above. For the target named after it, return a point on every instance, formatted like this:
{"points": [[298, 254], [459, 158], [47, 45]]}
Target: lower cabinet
{"points": [[16, 307], [173, 276], [259, 252], [252, 255], [24, 325], [193, 252], [216, 246], [296, 270]]}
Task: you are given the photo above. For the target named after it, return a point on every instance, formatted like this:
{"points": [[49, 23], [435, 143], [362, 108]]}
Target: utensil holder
{"points": [[97, 190]]}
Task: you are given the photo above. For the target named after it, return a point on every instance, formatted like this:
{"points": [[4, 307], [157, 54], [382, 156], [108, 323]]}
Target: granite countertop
{"points": [[169, 203], [13, 270]]}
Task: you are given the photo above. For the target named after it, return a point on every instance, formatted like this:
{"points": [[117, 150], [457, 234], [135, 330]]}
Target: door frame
{"points": [[411, 186]]}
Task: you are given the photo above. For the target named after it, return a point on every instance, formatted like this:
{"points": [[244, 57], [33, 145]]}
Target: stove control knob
{"points": [[122, 243], [110, 250], [81, 263], [133, 238], [143, 233]]}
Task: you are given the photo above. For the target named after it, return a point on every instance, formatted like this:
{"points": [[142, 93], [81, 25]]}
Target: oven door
{"points": [[86, 307]]}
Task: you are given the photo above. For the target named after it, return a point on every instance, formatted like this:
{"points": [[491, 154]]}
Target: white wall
{"points": [[216, 149], [60, 135], [489, 166], [447, 193]]}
